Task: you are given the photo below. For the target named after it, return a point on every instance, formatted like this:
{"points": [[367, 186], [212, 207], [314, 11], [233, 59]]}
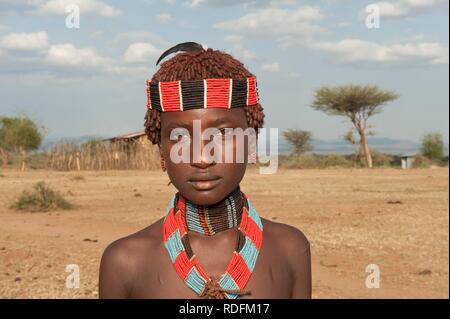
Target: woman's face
{"points": [[201, 178]]}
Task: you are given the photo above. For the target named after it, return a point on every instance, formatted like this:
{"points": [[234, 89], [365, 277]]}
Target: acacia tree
{"points": [[300, 140], [356, 102], [350, 138], [433, 146], [19, 135]]}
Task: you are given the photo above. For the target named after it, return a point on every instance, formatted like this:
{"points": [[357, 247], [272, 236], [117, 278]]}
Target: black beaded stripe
{"points": [[239, 93], [193, 94], [187, 246], [241, 241], [154, 96]]}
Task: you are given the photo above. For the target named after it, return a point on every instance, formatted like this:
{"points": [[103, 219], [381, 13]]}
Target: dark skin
{"points": [[138, 266]]}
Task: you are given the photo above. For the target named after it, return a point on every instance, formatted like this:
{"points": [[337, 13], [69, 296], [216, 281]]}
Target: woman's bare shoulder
{"points": [[289, 239], [128, 250], [123, 260]]}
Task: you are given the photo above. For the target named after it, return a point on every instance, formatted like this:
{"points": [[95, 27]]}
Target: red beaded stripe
{"points": [[252, 96], [217, 93], [254, 233], [200, 270], [149, 100], [244, 219], [202, 218], [170, 225], [181, 203], [182, 265], [251, 229], [170, 96], [180, 218], [238, 270]]}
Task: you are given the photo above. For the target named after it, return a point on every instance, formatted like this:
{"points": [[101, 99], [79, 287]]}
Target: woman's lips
{"points": [[205, 184]]}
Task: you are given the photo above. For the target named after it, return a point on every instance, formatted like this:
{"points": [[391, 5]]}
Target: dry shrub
{"points": [[41, 199], [335, 160], [380, 159], [421, 161], [310, 161]]}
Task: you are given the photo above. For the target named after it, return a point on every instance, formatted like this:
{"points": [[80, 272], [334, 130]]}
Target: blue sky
{"points": [[91, 80]]}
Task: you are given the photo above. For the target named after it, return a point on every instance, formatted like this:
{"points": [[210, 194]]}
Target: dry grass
{"points": [[96, 155]]}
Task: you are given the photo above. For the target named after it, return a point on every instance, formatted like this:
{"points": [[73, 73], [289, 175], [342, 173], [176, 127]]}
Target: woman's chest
{"points": [[270, 279]]}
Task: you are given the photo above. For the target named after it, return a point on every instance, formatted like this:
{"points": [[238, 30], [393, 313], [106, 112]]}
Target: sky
{"points": [[90, 79]]}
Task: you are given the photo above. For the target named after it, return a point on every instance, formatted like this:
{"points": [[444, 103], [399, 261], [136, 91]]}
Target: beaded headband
{"points": [[183, 95], [176, 96]]}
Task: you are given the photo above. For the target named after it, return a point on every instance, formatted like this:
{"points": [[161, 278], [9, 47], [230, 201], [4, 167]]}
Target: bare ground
{"points": [[396, 219]]}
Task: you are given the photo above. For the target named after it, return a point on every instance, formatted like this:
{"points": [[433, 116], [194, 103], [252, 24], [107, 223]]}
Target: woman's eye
{"points": [[225, 131], [183, 137], [223, 134]]}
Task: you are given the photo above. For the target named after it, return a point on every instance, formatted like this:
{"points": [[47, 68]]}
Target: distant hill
{"points": [[337, 146], [382, 144], [49, 142]]}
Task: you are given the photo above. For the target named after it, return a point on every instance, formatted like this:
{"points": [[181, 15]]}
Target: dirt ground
{"points": [[395, 219]]}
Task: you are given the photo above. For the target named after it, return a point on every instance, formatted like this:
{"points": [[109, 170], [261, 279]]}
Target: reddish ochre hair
{"points": [[199, 65]]}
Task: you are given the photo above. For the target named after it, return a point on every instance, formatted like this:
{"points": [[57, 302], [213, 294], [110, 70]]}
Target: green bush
{"points": [[433, 146], [311, 161], [41, 199], [445, 161], [306, 161], [303, 161], [421, 161], [336, 160], [380, 159], [37, 160]]}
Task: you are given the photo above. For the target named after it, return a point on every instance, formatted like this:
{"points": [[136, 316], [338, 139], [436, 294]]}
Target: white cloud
{"points": [[213, 3], [124, 39], [58, 59], [271, 67], [404, 8], [141, 52], [440, 60], [275, 20], [244, 3], [293, 75], [8, 6], [171, 2], [238, 48], [163, 18], [68, 55], [25, 41], [356, 50], [58, 7], [282, 2]]}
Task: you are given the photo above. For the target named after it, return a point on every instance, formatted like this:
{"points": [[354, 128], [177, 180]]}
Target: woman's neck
{"points": [[213, 219]]}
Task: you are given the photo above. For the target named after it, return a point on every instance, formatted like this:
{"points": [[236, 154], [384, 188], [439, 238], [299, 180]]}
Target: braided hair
{"points": [[200, 65]]}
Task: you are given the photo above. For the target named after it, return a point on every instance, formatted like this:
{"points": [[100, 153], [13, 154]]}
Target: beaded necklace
{"points": [[231, 283], [213, 219]]}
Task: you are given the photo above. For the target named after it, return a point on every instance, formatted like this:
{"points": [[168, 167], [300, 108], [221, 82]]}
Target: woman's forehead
{"points": [[208, 117]]}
